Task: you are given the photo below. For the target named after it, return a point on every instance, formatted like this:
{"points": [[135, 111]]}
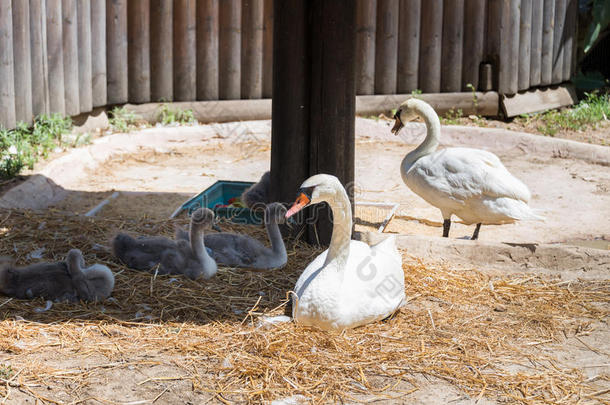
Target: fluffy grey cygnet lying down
{"points": [[188, 257], [60, 281], [235, 250]]}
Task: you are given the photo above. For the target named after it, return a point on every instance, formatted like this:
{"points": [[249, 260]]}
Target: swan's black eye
{"points": [[397, 114]]}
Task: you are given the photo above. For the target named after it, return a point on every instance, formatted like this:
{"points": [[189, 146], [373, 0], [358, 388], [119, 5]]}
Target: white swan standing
{"points": [[471, 183], [350, 284]]}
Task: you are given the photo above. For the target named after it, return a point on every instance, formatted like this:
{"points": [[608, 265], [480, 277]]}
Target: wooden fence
{"points": [[69, 56]]}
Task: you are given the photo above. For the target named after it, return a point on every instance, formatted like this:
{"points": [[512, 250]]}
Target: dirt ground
{"points": [[92, 356], [599, 135], [573, 195]]}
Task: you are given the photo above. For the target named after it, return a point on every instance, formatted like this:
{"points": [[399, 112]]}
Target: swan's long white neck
{"points": [[342, 228], [209, 265], [433, 128]]}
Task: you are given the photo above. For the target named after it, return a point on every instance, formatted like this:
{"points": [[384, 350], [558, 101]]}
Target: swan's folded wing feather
{"points": [[462, 174]]}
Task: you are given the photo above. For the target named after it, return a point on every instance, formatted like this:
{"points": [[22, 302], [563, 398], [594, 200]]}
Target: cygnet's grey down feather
{"points": [[67, 280], [235, 250], [188, 257], [258, 195]]}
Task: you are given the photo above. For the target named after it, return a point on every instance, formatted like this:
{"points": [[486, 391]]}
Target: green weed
{"points": [[22, 147], [169, 115], [123, 120], [586, 114]]}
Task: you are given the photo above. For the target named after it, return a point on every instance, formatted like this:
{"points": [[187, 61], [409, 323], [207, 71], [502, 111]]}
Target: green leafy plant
{"points": [[475, 99], [22, 146], [169, 115], [588, 113], [452, 117], [123, 120]]}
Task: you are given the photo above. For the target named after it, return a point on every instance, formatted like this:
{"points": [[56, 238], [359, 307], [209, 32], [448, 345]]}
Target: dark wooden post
{"points": [[313, 98]]}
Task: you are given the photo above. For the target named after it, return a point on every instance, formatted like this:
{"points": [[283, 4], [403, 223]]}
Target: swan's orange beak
{"points": [[301, 202]]}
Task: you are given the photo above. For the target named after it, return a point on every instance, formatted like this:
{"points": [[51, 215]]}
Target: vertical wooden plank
{"points": [[408, 45], [366, 27], [430, 48], [207, 50], [252, 49], [475, 12], [386, 47], [451, 56], [514, 21], [536, 43], [506, 20], [548, 27], [268, 49], [525, 43], [40, 71], [161, 51], [570, 38], [185, 59], [70, 50], [116, 55], [55, 57], [22, 60], [558, 41], [138, 40], [98, 52], [85, 81], [7, 84], [229, 63]]}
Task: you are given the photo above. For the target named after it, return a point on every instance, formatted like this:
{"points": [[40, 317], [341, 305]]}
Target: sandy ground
{"points": [[573, 195]]}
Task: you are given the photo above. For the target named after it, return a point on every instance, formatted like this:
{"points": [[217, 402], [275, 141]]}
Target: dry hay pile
{"points": [[478, 332]]}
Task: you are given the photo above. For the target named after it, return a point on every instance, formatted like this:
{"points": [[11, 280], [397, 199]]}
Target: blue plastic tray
{"points": [[220, 193]]}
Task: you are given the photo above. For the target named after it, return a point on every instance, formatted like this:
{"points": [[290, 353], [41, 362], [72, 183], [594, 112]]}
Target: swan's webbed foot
{"points": [[475, 235], [446, 226]]}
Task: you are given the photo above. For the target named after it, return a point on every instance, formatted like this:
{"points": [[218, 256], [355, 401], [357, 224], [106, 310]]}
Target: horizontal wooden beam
{"points": [[538, 100], [479, 103], [244, 110]]}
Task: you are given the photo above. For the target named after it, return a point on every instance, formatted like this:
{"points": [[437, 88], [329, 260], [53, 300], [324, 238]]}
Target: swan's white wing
{"points": [[461, 174]]}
